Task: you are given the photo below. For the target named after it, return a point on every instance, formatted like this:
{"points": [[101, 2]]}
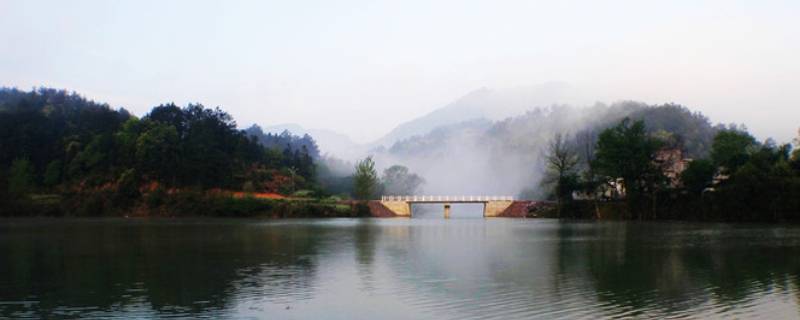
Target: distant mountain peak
{"points": [[486, 103]]}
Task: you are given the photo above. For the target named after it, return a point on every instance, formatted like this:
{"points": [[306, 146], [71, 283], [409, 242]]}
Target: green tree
{"points": [[761, 189], [589, 184], [397, 180], [127, 188], [562, 161], [20, 177], [627, 152], [125, 140], [698, 176], [365, 180], [731, 149], [157, 151], [95, 157], [52, 174]]}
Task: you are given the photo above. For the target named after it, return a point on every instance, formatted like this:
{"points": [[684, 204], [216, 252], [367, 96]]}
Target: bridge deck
{"points": [[447, 199]]}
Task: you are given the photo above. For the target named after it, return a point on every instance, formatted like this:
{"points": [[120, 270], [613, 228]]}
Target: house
{"points": [[672, 163]]}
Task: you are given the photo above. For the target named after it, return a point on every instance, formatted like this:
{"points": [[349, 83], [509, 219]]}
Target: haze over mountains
{"points": [[489, 104], [490, 141]]}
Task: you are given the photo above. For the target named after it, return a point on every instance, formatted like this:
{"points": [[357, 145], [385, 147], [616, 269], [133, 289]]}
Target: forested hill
{"points": [[53, 140], [505, 157], [692, 130]]}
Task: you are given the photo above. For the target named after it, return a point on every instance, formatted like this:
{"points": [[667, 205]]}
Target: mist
{"points": [[506, 157], [472, 158]]}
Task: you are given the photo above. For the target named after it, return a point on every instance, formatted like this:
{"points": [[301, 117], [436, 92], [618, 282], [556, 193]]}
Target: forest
{"points": [[70, 155], [630, 172]]}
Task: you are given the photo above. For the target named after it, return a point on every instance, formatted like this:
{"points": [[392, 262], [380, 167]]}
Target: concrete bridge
{"points": [[493, 206]]}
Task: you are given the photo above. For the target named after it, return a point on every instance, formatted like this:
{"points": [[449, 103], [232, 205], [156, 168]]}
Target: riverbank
{"points": [[213, 203], [186, 203], [216, 203]]}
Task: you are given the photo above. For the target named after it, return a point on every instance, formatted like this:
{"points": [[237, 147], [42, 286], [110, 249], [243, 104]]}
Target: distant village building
{"points": [[672, 163], [609, 190], [719, 177]]}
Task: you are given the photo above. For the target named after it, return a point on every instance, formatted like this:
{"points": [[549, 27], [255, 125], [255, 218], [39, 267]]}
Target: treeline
{"points": [[642, 174], [285, 141], [364, 183], [56, 142]]}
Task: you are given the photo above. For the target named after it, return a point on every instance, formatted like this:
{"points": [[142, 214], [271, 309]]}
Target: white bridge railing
{"points": [[447, 198]]}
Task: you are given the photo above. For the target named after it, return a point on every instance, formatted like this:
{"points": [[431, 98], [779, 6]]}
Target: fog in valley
{"points": [[468, 148]]}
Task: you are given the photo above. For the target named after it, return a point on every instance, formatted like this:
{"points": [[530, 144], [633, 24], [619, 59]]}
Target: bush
{"points": [[20, 177], [155, 198], [52, 175], [127, 189]]}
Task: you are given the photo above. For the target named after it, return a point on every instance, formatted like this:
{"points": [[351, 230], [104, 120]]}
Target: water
{"points": [[396, 269]]}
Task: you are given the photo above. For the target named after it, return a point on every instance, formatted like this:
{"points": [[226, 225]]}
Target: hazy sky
{"points": [[362, 67]]}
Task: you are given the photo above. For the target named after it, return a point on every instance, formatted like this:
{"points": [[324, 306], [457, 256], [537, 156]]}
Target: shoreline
{"points": [[215, 204]]}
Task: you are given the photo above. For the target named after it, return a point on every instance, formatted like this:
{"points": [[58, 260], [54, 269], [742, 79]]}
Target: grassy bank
{"points": [[175, 204]]}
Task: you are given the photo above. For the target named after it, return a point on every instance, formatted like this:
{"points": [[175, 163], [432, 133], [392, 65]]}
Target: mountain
{"points": [[488, 104], [480, 105]]}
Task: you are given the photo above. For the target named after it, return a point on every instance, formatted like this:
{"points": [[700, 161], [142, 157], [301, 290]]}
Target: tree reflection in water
{"points": [[396, 268], [171, 267]]}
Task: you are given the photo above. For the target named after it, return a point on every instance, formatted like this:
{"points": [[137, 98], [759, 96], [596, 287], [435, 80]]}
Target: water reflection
{"points": [[652, 270], [396, 268]]}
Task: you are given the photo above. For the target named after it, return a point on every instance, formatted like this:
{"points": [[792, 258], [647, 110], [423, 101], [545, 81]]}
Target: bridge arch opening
{"points": [[456, 210]]}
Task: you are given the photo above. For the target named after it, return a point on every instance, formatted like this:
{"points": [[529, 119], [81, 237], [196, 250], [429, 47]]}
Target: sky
{"points": [[363, 67]]}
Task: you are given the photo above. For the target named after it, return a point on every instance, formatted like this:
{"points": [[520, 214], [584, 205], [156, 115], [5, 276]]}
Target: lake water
{"points": [[396, 269]]}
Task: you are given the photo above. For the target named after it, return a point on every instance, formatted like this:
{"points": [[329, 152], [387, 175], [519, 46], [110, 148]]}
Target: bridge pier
{"points": [[447, 211], [495, 208], [399, 208]]}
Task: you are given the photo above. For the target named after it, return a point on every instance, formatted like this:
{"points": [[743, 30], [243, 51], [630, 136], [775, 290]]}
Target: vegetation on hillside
{"points": [[740, 179], [58, 143]]}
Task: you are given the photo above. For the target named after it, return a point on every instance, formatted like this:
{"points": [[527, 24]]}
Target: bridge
{"points": [[493, 206]]}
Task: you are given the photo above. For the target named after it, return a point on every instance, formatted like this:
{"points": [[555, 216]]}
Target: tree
{"points": [[698, 176], [170, 114], [762, 189], [20, 180], [127, 188], [366, 179], [156, 151], [587, 142], [398, 181], [94, 158], [731, 149], [562, 160], [626, 152], [52, 175], [305, 163]]}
